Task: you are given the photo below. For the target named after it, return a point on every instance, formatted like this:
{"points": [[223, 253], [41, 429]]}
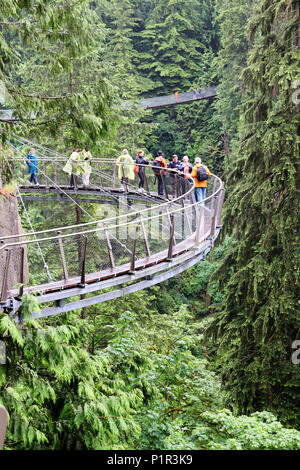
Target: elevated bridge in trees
{"points": [[145, 240], [148, 103]]}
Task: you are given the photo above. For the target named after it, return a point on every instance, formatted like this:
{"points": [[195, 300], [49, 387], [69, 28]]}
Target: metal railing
{"points": [[78, 254]]}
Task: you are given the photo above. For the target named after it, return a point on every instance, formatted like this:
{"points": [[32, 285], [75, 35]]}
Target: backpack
{"points": [[159, 165], [202, 174]]}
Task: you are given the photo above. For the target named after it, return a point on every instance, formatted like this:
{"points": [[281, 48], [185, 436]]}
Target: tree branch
{"points": [[13, 23], [15, 92]]}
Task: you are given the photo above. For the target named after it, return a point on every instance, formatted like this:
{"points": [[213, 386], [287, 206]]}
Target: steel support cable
{"points": [[99, 173], [65, 236], [81, 208], [54, 152], [124, 203], [115, 238], [98, 187], [112, 218], [31, 226], [109, 194]]}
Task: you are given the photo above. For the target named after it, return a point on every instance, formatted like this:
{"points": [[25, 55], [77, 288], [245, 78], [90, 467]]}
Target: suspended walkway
{"points": [[7, 115], [145, 240], [177, 98]]}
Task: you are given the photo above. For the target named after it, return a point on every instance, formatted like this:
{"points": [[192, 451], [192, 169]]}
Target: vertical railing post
{"points": [[221, 201], [22, 272], [170, 220], [132, 261], [146, 180], [62, 255], [213, 219], [163, 177], [82, 280], [100, 176], [199, 235], [110, 251], [114, 176], [55, 172], [46, 179], [145, 238], [4, 290], [171, 242]]}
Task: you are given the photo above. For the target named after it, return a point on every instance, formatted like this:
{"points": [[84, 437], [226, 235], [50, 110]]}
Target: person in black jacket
{"points": [[140, 160], [175, 166], [158, 167]]}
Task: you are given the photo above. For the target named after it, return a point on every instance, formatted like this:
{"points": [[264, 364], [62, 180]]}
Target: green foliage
{"points": [[138, 372], [178, 44], [259, 431], [260, 318], [52, 71]]}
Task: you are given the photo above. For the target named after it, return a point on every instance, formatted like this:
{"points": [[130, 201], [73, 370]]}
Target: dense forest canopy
{"points": [[202, 361]]}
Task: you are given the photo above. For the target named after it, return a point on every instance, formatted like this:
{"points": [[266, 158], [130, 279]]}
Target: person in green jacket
{"points": [[79, 164], [125, 165]]}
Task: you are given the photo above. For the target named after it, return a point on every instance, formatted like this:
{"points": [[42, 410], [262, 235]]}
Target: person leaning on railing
{"points": [[175, 165], [187, 169], [200, 174]]}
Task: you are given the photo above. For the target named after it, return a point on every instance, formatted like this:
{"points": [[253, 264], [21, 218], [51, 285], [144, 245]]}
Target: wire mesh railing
{"points": [[75, 255]]}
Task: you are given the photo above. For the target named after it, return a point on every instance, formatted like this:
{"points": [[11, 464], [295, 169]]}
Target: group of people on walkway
{"points": [[199, 172], [79, 165], [127, 168]]}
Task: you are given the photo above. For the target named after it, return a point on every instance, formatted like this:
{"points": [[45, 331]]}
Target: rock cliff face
{"points": [[10, 224]]}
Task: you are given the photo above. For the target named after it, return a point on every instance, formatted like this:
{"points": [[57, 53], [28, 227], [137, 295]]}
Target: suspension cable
{"points": [[102, 188], [31, 226], [81, 208]]}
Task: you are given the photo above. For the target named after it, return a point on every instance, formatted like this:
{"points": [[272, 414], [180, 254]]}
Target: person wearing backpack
{"points": [[159, 164], [200, 174]]}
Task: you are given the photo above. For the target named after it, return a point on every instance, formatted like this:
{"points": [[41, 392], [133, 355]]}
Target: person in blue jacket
{"points": [[32, 163]]}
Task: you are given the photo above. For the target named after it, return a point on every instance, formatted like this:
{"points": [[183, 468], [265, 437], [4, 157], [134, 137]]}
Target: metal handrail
{"points": [[105, 221]]}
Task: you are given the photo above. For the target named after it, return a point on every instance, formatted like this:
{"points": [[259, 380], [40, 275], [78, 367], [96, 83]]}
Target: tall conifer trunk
{"points": [[260, 319]]}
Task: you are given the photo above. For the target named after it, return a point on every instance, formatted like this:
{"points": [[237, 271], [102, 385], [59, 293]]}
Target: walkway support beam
{"points": [[62, 255], [4, 290]]}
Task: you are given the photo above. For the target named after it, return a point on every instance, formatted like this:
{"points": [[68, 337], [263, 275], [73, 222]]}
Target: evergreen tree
{"points": [[260, 319], [47, 48], [232, 18], [179, 44]]}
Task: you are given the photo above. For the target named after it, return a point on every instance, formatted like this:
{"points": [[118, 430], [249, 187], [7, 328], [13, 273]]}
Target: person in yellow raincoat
{"points": [[78, 164], [125, 165]]}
